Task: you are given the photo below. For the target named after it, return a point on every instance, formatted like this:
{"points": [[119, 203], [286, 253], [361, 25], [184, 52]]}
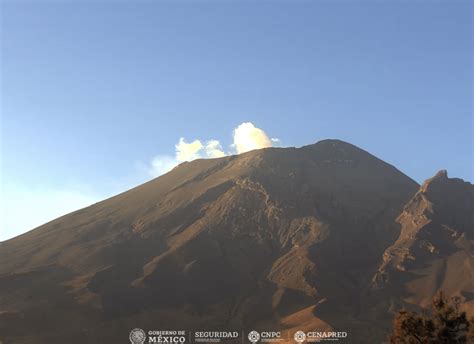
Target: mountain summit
{"points": [[326, 236]]}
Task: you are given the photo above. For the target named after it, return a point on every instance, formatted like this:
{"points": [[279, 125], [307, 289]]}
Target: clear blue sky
{"points": [[93, 91]]}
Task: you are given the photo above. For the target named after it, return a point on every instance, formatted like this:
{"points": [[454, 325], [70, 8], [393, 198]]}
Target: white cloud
{"points": [[248, 137], [275, 141], [23, 208], [214, 149], [188, 151], [185, 151]]}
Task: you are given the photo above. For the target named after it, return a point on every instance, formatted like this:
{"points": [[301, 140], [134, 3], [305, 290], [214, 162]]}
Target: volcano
{"points": [[323, 237]]}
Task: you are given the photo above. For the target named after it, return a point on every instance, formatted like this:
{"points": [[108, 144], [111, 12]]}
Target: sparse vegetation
{"points": [[445, 324]]}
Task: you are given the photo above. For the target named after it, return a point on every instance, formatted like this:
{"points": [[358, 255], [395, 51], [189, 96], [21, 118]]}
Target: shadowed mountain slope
{"points": [[280, 238], [435, 250]]}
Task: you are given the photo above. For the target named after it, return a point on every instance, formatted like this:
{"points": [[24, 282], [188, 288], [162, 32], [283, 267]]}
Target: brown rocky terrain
{"points": [[434, 251], [318, 237]]}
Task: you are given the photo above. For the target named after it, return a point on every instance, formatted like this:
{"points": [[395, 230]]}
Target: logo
{"points": [[137, 336], [215, 336], [319, 336], [300, 336], [167, 336], [254, 336]]}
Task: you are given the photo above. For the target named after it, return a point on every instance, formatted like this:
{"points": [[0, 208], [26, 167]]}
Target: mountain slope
{"points": [[435, 249], [274, 238]]}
